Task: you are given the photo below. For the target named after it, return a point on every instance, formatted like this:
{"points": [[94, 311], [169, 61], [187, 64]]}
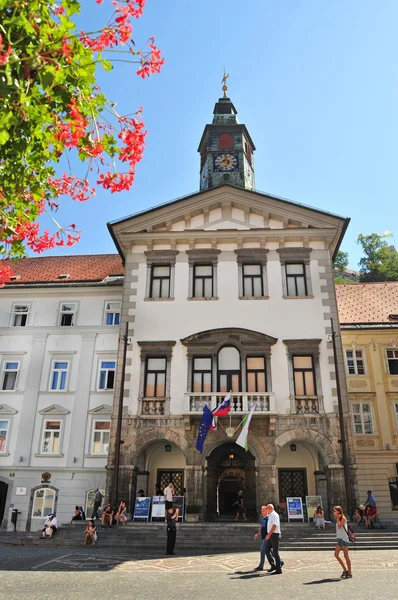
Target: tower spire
{"points": [[224, 82]]}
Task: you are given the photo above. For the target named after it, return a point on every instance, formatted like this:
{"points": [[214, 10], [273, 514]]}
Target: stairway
{"points": [[206, 537]]}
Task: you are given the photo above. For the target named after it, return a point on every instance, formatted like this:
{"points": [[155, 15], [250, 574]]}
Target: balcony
{"points": [[240, 402], [308, 405], [153, 407]]}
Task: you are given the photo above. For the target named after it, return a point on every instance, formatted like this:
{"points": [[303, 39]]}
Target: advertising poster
{"points": [[312, 503], [142, 508], [158, 507], [295, 509]]}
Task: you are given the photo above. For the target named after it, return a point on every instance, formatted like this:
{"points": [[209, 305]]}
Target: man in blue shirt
{"points": [[371, 501], [263, 531]]}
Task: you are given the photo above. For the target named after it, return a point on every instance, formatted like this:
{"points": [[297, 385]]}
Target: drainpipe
{"points": [[118, 441], [346, 464]]}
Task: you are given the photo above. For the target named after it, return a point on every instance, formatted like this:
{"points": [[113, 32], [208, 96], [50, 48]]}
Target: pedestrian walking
{"points": [[171, 519], [342, 542], [240, 506], [97, 503], [272, 541], [262, 530]]}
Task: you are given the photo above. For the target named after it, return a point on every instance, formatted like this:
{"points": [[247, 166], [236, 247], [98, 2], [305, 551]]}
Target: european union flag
{"points": [[207, 420]]}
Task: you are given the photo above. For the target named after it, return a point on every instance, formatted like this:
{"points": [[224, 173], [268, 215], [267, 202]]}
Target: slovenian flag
{"points": [[222, 410]]}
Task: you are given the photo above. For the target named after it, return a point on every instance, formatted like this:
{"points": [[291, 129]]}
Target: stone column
{"points": [[194, 484], [336, 486], [266, 486]]}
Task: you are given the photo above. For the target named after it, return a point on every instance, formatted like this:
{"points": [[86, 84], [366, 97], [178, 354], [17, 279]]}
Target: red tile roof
{"points": [[80, 268], [367, 302]]}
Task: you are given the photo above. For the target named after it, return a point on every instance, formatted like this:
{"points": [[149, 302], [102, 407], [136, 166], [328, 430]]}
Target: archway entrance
{"points": [[3, 498], [230, 469]]}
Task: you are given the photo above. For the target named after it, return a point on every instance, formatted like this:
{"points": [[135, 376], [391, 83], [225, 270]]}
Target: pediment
{"points": [[7, 410], [103, 409], [54, 409]]}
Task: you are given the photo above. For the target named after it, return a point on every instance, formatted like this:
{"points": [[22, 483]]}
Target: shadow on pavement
{"points": [[327, 580]]}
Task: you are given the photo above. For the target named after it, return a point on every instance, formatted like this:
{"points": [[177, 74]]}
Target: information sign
{"points": [[142, 508], [295, 509], [312, 503], [158, 507]]}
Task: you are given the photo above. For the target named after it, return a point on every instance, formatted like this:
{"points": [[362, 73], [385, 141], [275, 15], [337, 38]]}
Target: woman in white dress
{"points": [[319, 518]]}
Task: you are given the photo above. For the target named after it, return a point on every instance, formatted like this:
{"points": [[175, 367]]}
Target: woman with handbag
{"points": [[343, 542]]}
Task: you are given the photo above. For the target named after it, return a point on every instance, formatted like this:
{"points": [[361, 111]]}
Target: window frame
{"points": [[395, 358], [202, 372], [94, 431], [295, 277], [49, 489], [53, 371], [156, 372], [304, 370], [202, 278], [260, 276], [4, 371], [106, 370], [355, 361], [256, 371], [7, 430], [161, 279], [73, 313], [50, 419], [14, 314], [111, 312], [360, 413], [395, 409]]}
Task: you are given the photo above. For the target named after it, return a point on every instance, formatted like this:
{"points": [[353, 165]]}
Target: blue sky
{"points": [[315, 82]]}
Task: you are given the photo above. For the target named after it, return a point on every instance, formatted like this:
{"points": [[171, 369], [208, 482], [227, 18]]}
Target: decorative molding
{"points": [[103, 409], [245, 255], [358, 384], [205, 254], [161, 256], [7, 410], [365, 443], [293, 254], [156, 348], [394, 383], [54, 409]]}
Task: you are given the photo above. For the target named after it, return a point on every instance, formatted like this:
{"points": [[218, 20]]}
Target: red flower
{"points": [[4, 57]]}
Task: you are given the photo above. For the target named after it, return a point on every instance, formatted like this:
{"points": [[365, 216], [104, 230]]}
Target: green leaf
{"points": [[4, 137]]}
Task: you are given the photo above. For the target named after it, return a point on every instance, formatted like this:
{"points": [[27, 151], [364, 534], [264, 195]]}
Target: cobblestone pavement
{"points": [[36, 573]]}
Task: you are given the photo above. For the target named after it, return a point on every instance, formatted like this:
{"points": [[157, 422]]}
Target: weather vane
{"points": [[224, 82]]}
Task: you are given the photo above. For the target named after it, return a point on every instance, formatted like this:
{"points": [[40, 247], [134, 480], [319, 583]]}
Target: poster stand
{"points": [[142, 509], [295, 509]]}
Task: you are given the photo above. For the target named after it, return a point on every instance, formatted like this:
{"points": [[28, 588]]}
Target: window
{"points": [[43, 503], [155, 377], [392, 360], [201, 379], [4, 428], [51, 437], [10, 375], [112, 313], [59, 375], [229, 370], [252, 281], [19, 317], [160, 281], [256, 378], [395, 408], [362, 418], [67, 316], [107, 375], [100, 444], [295, 279], [304, 376], [355, 362], [203, 281]]}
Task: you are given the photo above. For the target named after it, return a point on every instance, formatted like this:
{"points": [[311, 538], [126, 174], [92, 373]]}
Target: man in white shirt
{"points": [[50, 526], [168, 495], [272, 541]]}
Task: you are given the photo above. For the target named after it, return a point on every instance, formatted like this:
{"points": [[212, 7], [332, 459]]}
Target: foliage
{"points": [[341, 261], [50, 105], [380, 262], [345, 281]]}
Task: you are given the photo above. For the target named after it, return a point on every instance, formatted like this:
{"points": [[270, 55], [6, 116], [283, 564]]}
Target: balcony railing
{"points": [[308, 405], [240, 402], [153, 407]]}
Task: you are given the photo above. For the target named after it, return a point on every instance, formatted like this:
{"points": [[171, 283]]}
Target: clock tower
{"points": [[226, 149]]}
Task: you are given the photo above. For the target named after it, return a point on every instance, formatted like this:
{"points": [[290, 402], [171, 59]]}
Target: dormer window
{"points": [[63, 276]]}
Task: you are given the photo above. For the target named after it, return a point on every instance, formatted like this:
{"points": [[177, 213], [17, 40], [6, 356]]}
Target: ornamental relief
{"points": [[357, 384], [394, 383], [365, 443]]}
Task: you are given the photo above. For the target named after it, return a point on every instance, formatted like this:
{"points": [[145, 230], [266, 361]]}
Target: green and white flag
{"points": [[386, 234], [244, 434]]}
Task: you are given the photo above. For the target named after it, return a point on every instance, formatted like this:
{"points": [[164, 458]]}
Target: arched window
{"points": [[89, 508], [226, 141], [43, 503], [229, 369]]}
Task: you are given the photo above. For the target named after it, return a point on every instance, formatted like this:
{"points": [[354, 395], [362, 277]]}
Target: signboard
{"points": [[20, 491], [312, 503], [295, 509], [142, 508], [178, 502], [158, 507]]}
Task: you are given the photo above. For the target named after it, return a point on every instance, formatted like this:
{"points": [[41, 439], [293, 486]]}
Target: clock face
{"points": [[225, 162]]}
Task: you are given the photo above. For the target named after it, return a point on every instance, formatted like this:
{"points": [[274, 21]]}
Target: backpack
{"points": [[350, 532]]}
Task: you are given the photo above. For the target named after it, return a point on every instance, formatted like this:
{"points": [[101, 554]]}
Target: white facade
{"points": [[50, 409]]}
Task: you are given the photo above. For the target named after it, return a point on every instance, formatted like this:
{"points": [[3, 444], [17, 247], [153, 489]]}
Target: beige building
{"points": [[369, 324]]}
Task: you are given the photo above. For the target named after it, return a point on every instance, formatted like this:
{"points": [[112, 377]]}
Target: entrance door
{"points": [[292, 483], [3, 498], [175, 475]]}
